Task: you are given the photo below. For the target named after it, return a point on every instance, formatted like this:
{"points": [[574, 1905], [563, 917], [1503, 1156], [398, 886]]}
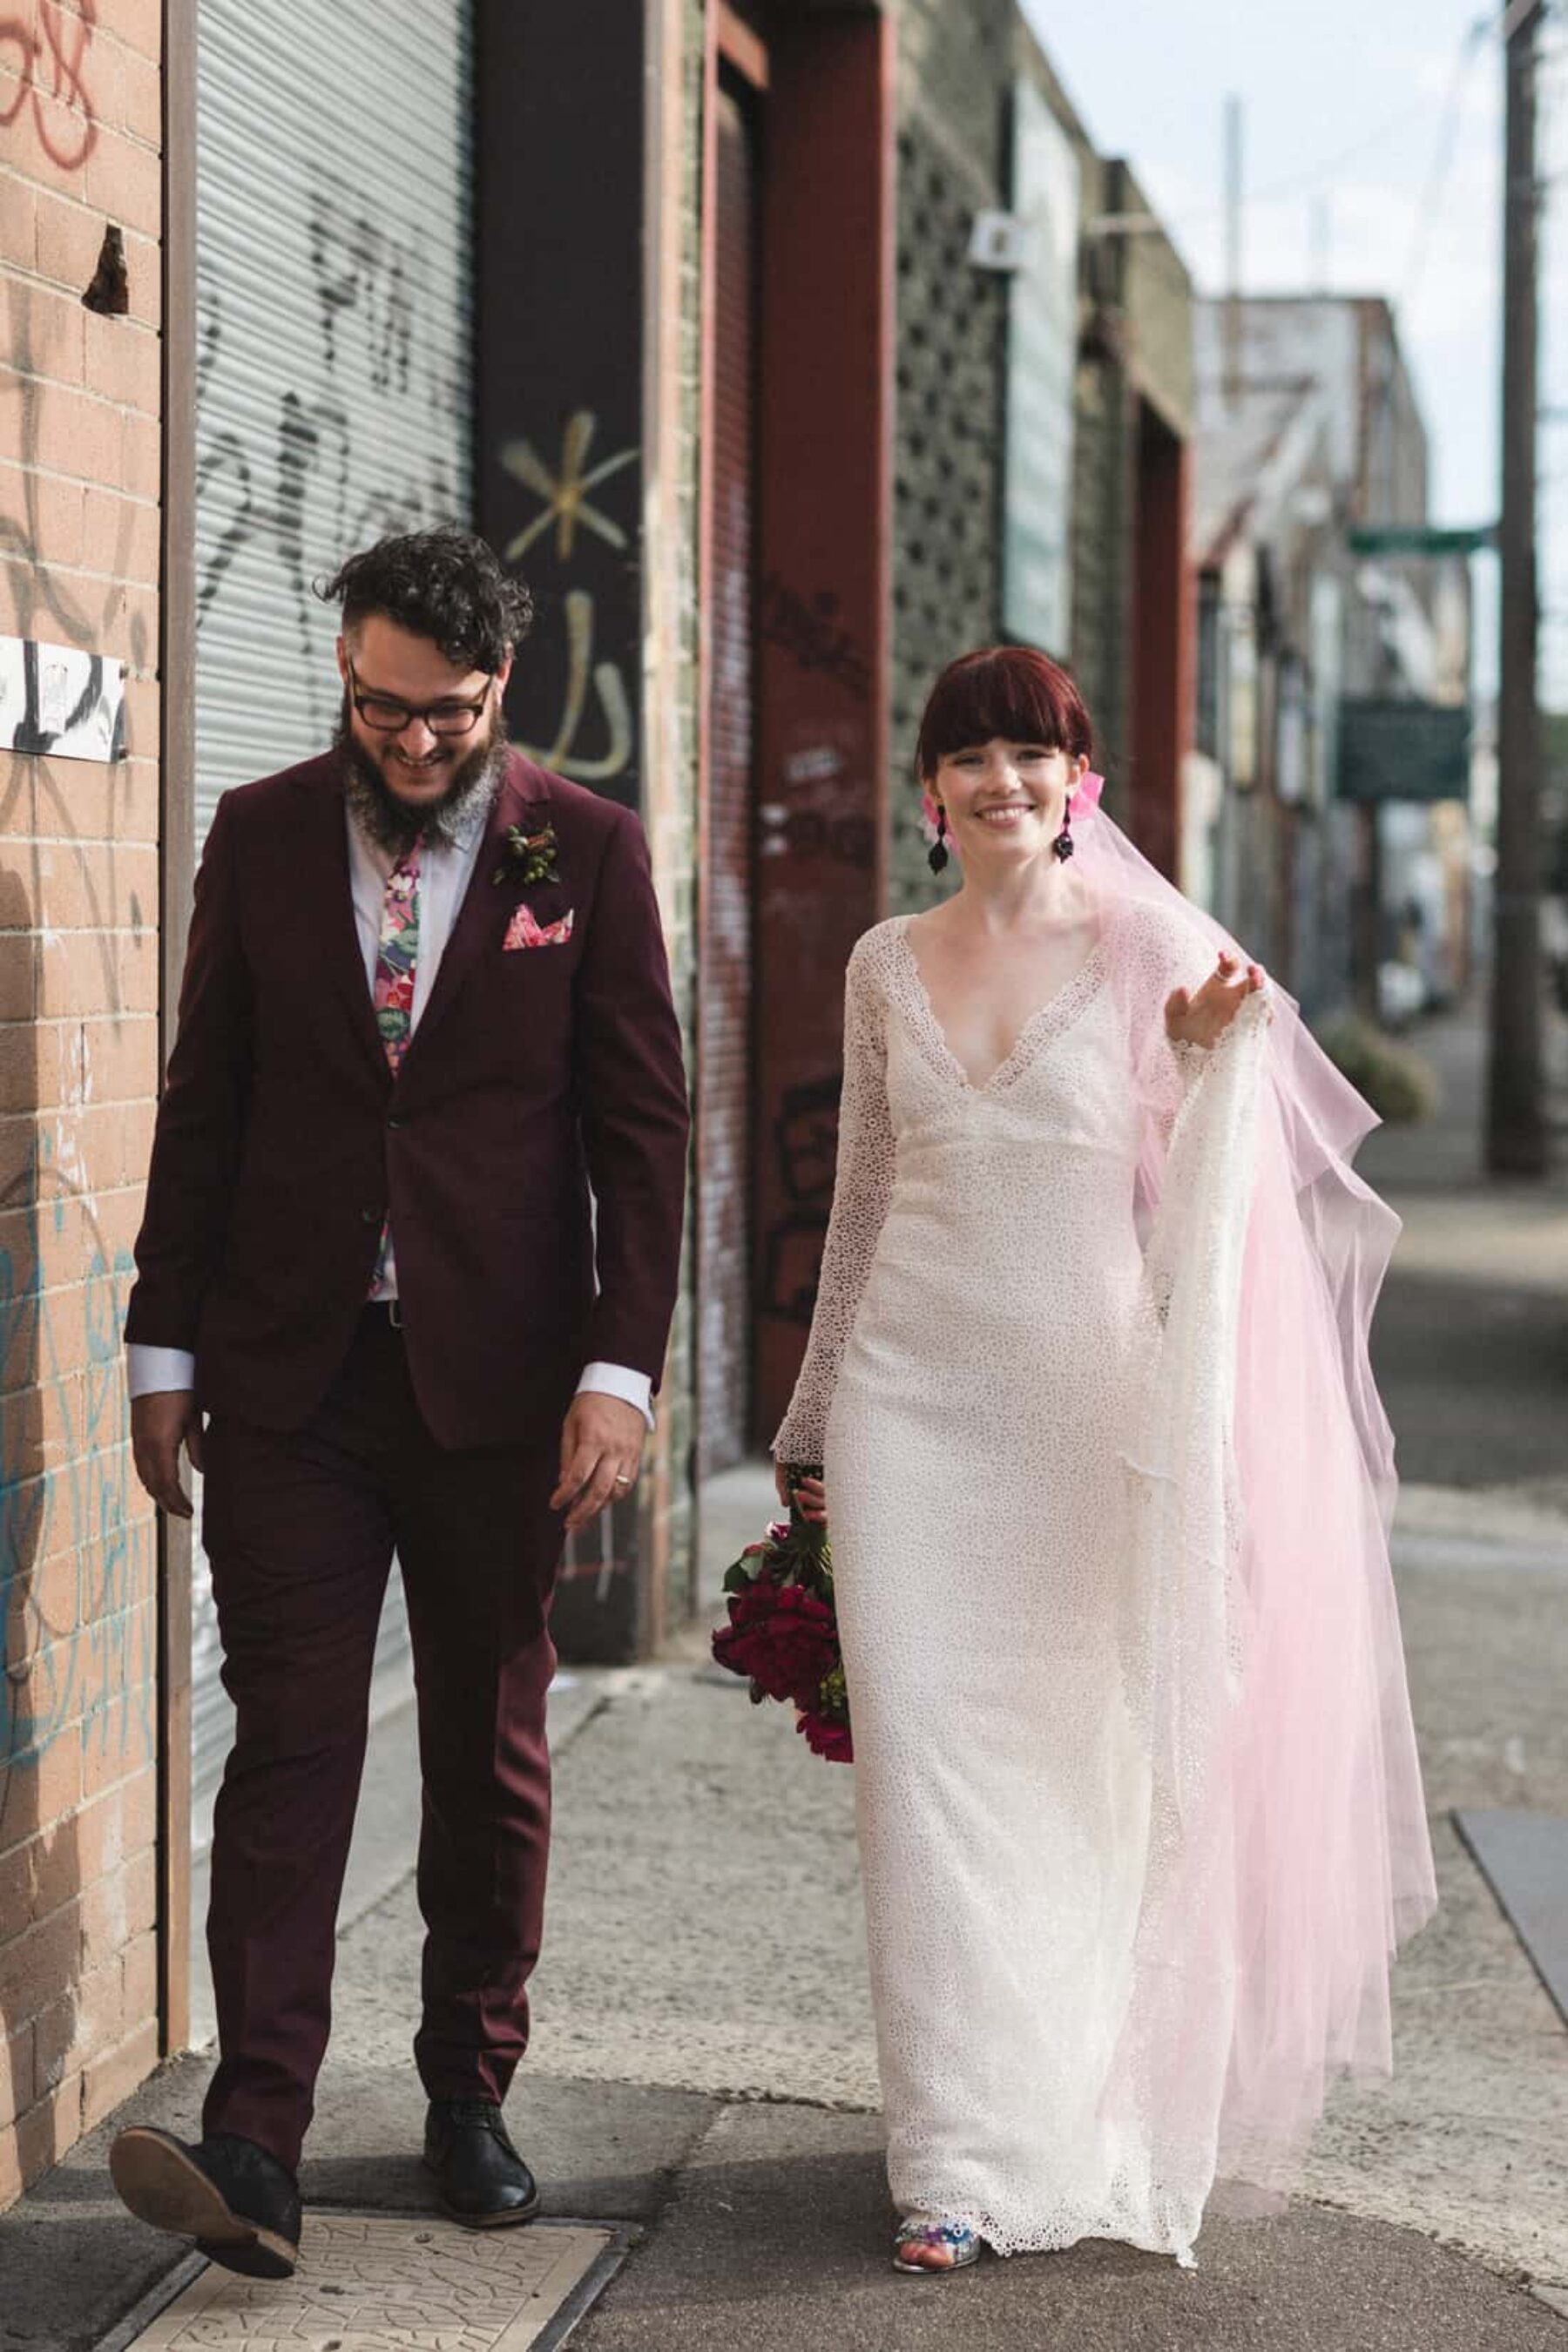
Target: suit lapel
{"points": [[325, 895], [487, 909]]}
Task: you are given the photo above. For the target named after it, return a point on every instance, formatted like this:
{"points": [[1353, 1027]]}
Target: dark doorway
{"points": [[1161, 641]]}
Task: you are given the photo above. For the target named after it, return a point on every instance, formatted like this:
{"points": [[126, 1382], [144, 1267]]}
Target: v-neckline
{"points": [[1018, 1053]]}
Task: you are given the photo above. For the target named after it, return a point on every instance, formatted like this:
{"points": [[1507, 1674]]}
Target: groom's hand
{"points": [[160, 1425], [601, 1452]]}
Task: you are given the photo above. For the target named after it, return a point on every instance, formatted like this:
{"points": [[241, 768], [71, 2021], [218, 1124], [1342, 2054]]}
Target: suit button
{"points": [[394, 1123], [370, 1216]]}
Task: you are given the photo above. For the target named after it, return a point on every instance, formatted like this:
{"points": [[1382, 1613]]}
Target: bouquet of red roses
{"points": [[782, 1635]]}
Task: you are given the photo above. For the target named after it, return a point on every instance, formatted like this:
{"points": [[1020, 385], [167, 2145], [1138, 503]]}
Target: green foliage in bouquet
{"points": [[782, 1633]]}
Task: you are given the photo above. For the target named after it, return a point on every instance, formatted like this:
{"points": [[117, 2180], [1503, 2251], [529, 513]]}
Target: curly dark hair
{"points": [[446, 584]]}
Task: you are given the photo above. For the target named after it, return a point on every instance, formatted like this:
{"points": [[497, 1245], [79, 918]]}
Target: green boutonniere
{"points": [[528, 858]]}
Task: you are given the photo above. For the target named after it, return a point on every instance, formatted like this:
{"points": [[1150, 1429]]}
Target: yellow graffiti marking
{"points": [[613, 701], [565, 493]]}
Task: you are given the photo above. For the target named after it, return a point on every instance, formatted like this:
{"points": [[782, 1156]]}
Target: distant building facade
{"points": [[1309, 429]]}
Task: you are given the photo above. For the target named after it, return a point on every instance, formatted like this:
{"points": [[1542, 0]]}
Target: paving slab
{"points": [[366, 2282], [780, 2232]]}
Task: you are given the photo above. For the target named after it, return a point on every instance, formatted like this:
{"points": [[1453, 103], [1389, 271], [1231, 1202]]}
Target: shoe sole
{"points": [[507, 2219], [161, 2186]]}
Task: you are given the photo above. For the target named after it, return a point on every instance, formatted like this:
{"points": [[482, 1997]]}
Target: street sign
{"points": [[1404, 750], [1418, 539]]}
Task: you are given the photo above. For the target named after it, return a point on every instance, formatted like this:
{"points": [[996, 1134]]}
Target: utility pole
{"points": [[1232, 330], [1322, 242], [1516, 1122]]}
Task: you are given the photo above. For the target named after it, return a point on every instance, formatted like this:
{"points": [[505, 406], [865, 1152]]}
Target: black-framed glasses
{"points": [[387, 716]]}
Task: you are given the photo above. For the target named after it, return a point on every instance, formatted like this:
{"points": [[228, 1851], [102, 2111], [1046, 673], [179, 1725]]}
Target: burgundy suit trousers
{"points": [[300, 1527]]}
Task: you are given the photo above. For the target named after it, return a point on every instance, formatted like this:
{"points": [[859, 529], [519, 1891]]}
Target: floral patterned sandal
{"points": [[954, 2240]]}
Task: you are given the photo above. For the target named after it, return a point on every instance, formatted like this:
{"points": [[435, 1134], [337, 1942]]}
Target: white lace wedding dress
{"points": [[981, 1342]]}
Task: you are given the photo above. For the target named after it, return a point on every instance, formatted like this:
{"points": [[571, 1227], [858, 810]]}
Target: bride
{"points": [[1138, 1807]]}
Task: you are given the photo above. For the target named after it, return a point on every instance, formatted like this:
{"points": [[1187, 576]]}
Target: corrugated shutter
{"points": [[334, 402], [724, 1076], [335, 247]]}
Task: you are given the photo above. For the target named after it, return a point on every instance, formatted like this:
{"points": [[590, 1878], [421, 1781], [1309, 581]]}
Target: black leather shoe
{"points": [[234, 2198], [479, 2177]]}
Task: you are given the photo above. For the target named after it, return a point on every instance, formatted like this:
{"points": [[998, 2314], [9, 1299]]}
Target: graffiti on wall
{"points": [[327, 470], [88, 1652], [565, 509], [805, 624], [59, 703], [47, 52], [73, 1561], [41, 586]]}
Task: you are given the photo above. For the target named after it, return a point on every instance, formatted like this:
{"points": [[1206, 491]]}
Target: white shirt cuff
{"points": [[619, 1381], [153, 1371]]}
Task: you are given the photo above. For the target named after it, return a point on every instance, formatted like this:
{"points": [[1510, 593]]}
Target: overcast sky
{"points": [[1372, 133]]}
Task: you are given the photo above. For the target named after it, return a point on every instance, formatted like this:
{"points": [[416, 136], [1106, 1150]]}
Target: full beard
{"points": [[394, 825]]}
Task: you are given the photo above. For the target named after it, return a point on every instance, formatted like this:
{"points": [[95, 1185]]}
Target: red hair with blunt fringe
{"points": [[1006, 690]]}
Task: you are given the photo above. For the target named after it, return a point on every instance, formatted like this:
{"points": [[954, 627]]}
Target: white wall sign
{"points": [[1042, 354], [57, 702]]}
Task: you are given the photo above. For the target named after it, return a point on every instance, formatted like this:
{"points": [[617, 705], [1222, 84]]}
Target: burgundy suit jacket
{"points": [[282, 1139]]}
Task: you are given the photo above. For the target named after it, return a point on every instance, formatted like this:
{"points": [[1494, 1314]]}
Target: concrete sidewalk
{"points": [[703, 2062]]}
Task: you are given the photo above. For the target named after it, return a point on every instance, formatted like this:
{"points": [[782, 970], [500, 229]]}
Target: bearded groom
{"points": [[405, 1283]]}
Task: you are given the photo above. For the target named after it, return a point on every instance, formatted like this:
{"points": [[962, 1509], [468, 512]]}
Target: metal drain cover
{"points": [[374, 2283]]}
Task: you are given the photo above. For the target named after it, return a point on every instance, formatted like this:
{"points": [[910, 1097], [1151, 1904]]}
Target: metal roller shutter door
{"points": [[725, 1111], [334, 398]]}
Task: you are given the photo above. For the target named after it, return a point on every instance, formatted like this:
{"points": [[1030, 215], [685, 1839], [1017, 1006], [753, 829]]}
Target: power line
{"points": [[1442, 160], [1483, 30], [1300, 182]]}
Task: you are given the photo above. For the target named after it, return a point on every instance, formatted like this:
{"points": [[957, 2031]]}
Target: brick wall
{"points": [[79, 474]]}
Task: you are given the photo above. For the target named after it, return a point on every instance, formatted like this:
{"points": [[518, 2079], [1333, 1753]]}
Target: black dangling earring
{"points": [[1064, 845], [936, 855]]}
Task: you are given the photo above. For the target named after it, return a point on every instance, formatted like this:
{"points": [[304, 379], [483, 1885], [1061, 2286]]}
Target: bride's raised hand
{"points": [[809, 1493], [1201, 1016]]}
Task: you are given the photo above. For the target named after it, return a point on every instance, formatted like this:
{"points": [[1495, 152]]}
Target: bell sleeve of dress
{"points": [[862, 1187], [1163, 953]]}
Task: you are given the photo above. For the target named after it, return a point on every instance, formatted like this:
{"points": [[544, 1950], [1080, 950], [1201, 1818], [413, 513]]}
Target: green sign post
{"points": [[1418, 539]]}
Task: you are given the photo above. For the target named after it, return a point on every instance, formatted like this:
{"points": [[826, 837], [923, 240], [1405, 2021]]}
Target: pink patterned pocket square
{"points": [[522, 932]]}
